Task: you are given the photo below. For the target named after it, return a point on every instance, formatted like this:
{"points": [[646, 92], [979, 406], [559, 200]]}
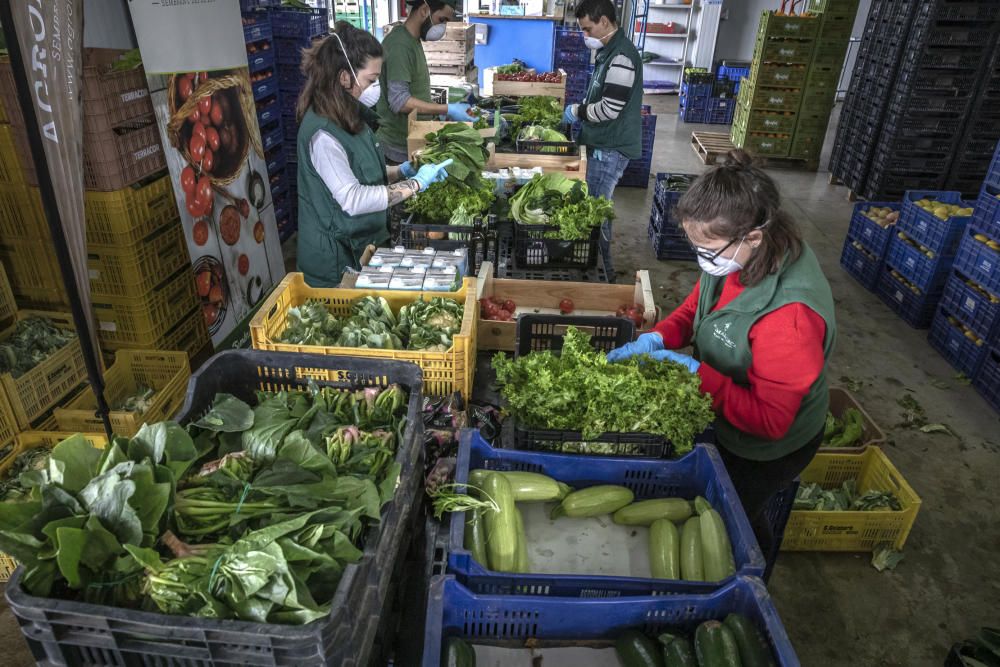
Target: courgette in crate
{"points": [[635, 649], [521, 561], [716, 550], [457, 653], [692, 568], [501, 525], [475, 536], [664, 550], [753, 648], [677, 651], [715, 646], [527, 486], [645, 512], [593, 501]]}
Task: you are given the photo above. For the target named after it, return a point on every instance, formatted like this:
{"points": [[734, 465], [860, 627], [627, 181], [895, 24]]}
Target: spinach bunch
{"points": [[34, 340], [558, 201], [463, 145], [439, 203], [579, 390]]}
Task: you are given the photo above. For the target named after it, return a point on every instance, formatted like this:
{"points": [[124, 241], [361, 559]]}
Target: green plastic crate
{"points": [[822, 79], [774, 99], [834, 7], [787, 51], [768, 145], [761, 120], [835, 27], [798, 27], [778, 75], [806, 148], [830, 52], [737, 135], [816, 104], [811, 124]]}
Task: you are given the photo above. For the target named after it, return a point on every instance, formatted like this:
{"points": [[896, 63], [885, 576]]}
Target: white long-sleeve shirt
{"points": [[330, 160]]}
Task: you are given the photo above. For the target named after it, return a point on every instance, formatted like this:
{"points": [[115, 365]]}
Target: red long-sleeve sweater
{"points": [[787, 356]]}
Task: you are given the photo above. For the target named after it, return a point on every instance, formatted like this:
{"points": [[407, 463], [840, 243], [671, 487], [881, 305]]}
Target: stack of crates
{"points": [[356, 12], [819, 91], [573, 57], [294, 30], [665, 234], [921, 254], [873, 225], [972, 160], [636, 174], [782, 54], [732, 70], [696, 94]]}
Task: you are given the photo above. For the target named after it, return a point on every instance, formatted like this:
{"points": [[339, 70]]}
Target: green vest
{"points": [[329, 239], [403, 60], [721, 340], [623, 134]]}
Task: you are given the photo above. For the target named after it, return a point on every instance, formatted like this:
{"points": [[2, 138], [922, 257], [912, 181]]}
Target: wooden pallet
{"points": [[710, 146]]}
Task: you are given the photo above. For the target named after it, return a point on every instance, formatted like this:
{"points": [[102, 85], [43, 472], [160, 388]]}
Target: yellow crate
{"points": [[22, 217], [134, 270], [11, 170], [444, 372], [126, 216], [853, 531], [33, 272], [166, 373], [188, 335], [134, 319], [33, 440]]}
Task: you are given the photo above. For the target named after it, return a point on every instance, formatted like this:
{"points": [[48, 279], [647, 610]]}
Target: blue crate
{"points": [[950, 341], [863, 265], [693, 115], [288, 104], [669, 246], [696, 90], [635, 177], [720, 110], [280, 183], [733, 73], [288, 50], [455, 611], [917, 310], [564, 57], [286, 22], [699, 473], [250, 5], [265, 87], [993, 173], [275, 159], [928, 274], [269, 112], [286, 227], [987, 215], [260, 60], [978, 261], [291, 128], [256, 26], [667, 199], [867, 232], [290, 77], [987, 380], [271, 135], [941, 236], [976, 310], [569, 38]]}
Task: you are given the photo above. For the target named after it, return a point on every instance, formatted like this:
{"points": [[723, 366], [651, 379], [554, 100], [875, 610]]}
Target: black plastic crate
{"points": [[776, 514], [479, 239], [76, 634], [533, 250], [987, 380]]}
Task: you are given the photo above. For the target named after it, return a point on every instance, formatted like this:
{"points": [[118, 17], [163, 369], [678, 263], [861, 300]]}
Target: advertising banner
{"points": [[195, 59]]}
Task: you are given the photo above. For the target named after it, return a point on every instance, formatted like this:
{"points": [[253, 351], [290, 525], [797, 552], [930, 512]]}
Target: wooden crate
{"points": [[710, 146], [525, 89], [418, 129], [543, 296], [470, 75], [455, 48], [570, 166]]}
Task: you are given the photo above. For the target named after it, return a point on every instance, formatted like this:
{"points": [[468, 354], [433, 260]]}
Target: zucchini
{"points": [[754, 651], [501, 525], [521, 560], [677, 651], [477, 477], [593, 501], [715, 646], [692, 568], [527, 486], [701, 505], [475, 536], [716, 550], [664, 550], [457, 653], [635, 649], [646, 512]]}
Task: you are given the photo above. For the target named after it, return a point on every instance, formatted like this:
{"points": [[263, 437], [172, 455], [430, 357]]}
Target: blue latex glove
{"points": [[645, 344], [690, 363], [459, 112], [432, 173], [406, 170], [569, 114]]}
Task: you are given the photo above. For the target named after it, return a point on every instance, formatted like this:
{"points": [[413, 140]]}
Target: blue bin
{"points": [[939, 235], [963, 354], [928, 274], [972, 307], [993, 173], [978, 261], [987, 214], [867, 232], [265, 87], [863, 265], [269, 112], [288, 22], [700, 472], [917, 310], [987, 380], [455, 611]]}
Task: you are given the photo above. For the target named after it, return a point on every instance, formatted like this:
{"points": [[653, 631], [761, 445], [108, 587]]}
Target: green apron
{"points": [[330, 240], [721, 339], [623, 134]]}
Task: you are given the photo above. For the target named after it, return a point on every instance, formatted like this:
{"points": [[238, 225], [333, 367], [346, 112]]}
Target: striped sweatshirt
{"points": [[617, 90]]}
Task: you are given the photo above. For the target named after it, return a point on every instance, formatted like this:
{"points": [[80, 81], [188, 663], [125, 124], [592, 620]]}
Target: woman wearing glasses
{"points": [[761, 323]]}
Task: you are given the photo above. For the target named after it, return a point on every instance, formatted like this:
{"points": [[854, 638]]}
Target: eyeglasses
{"points": [[711, 255]]}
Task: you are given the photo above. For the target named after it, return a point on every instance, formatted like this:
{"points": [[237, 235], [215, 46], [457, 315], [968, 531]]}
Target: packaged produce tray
{"points": [[853, 531], [77, 633], [189, 335], [23, 442], [501, 626], [960, 346], [443, 372], [533, 250], [132, 319], [134, 270], [166, 373], [127, 216], [479, 240], [612, 562]]}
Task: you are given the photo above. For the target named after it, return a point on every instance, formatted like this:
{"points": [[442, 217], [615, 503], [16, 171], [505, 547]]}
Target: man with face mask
{"points": [[610, 112], [405, 79]]}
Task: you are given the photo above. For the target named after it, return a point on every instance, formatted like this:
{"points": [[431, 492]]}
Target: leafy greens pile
{"points": [[138, 402], [11, 487], [261, 530], [812, 496], [463, 145], [558, 201], [579, 390], [543, 110], [441, 202], [34, 340], [421, 325]]}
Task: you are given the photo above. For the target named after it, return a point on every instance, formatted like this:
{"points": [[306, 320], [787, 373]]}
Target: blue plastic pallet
{"points": [[867, 232], [978, 261], [928, 274], [987, 214], [917, 310], [975, 310], [941, 236], [700, 472], [987, 380], [861, 264], [455, 611], [963, 354]]}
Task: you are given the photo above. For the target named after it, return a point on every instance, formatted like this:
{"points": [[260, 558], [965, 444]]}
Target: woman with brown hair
{"points": [[345, 189], [761, 321]]}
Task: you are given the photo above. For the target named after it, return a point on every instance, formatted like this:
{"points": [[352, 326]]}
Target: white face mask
{"points": [[722, 266], [369, 96], [436, 32], [595, 43]]}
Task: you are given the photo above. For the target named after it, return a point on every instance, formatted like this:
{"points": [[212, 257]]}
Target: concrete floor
{"points": [[837, 609]]}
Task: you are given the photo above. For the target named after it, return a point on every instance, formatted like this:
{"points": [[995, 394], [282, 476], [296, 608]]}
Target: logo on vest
{"points": [[722, 334]]}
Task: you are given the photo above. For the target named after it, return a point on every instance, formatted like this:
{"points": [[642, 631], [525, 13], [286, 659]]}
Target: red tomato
{"points": [[205, 105], [566, 306], [210, 312], [197, 146], [184, 88], [200, 235], [202, 77], [188, 180], [195, 117], [212, 137], [195, 208], [215, 114], [503, 315], [208, 162], [509, 305], [492, 310], [215, 294], [258, 232], [204, 189], [243, 264], [203, 281]]}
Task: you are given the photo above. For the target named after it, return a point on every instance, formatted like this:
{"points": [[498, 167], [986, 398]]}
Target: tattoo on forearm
{"points": [[402, 190]]}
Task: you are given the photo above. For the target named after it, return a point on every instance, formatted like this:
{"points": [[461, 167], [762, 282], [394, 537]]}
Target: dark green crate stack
{"points": [[836, 20], [769, 99]]}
